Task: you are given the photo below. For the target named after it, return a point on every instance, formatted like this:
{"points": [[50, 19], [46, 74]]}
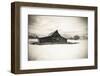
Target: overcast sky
{"points": [[44, 25]]}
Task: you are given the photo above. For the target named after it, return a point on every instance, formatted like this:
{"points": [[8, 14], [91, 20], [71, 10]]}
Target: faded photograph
{"points": [[57, 37]]}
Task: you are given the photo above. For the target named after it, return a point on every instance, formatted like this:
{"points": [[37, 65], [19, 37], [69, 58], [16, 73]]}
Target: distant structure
{"points": [[76, 37], [54, 38]]}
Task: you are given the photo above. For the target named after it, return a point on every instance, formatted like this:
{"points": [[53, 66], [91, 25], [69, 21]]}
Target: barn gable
{"points": [[54, 38]]}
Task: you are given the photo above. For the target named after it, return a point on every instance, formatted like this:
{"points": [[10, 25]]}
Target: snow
{"points": [[58, 51]]}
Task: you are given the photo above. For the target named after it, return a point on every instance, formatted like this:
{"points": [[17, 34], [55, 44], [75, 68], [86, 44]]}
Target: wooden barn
{"points": [[54, 38]]}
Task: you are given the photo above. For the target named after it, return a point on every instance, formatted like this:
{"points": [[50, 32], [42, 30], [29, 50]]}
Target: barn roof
{"points": [[54, 34]]}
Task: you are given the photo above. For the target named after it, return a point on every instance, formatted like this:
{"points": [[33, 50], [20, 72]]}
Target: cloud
{"points": [[44, 25]]}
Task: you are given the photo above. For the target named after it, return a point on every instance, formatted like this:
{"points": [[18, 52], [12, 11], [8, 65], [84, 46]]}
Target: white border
{"points": [[25, 64]]}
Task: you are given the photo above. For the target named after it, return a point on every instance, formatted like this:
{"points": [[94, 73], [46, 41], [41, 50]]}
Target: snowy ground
{"points": [[58, 51]]}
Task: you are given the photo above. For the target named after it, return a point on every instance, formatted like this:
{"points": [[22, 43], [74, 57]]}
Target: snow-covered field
{"points": [[58, 51]]}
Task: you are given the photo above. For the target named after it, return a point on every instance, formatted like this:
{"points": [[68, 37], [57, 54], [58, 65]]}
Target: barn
{"points": [[54, 38]]}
